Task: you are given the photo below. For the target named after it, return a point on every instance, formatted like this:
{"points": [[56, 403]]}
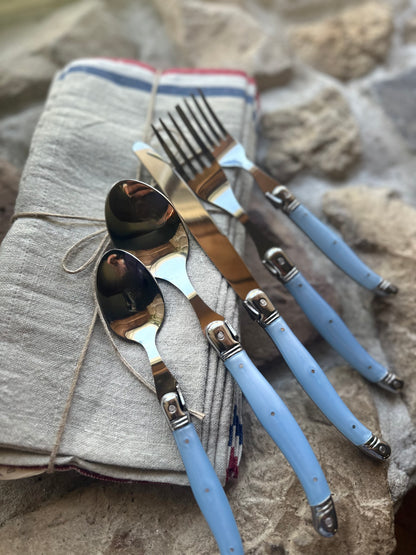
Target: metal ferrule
{"points": [[325, 518], [376, 448], [174, 408], [260, 307], [279, 264], [283, 199], [223, 338], [391, 382], [386, 288]]}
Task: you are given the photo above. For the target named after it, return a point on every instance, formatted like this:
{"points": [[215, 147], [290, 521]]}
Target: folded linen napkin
{"points": [[91, 413]]}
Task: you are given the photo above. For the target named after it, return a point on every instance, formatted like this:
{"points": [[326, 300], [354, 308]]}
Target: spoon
{"points": [[133, 307], [142, 220]]}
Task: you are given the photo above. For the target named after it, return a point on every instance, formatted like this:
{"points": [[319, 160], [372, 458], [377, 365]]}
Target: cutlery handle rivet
{"points": [[329, 522]]}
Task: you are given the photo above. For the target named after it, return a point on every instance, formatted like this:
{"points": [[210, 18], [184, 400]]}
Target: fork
{"points": [[206, 178], [231, 154]]}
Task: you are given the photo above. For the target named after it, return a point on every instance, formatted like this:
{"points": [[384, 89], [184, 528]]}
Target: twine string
{"points": [[97, 313]]}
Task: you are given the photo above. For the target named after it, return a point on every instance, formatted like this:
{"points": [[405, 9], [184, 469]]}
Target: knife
{"points": [[260, 308], [162, 249]]}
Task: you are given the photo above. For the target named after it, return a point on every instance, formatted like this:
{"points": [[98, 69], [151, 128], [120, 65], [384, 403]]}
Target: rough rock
{"points": [[201, 29], [409, 29], [320, 136], [347, 45], [396, 96], [305, 9], [26, 494], [16, 134], [9, 182], [267, 500], [383, 229], [33, 55]]}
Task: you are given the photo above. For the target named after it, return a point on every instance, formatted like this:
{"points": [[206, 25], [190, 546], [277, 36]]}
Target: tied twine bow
{"points": [[95, 260]]}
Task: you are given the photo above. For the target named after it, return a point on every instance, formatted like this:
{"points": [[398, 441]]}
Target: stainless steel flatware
{"points": [[231, 154], [229, 263], [201, 171], [142, 220], [133, 307]]}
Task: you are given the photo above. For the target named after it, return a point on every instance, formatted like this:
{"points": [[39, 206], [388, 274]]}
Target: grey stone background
{"points": [[338, 124]]}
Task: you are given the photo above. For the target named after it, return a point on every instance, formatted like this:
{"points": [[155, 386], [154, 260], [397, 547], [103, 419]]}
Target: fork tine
{"points": [[181, 171], [209, 124], [194, 134], [211, 111], [195, 154], [178, 146], [207, 136]]}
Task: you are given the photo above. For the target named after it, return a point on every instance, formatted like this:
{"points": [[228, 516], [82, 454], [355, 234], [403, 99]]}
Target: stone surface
{"points": [[396, 96], [16, 133], [69, 513], [33, 55], [383, 230], [27, 494], [267, 500], [409, 29], [201, 29], [305, 9], [9, 182], [347, 45], [320, 136]]}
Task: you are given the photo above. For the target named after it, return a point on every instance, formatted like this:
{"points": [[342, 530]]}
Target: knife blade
{"points": [[260, 308]]}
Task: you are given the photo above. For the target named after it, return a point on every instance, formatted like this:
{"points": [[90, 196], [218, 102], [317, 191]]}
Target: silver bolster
{"points": [[279, 264], [223, 338], [386, 288], [260, 307], [391, 382], [376, 448], [325, 518], [174, 408], [282, 198]]}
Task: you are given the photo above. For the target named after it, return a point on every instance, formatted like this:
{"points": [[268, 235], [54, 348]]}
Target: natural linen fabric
{"points": [[95, 110]]}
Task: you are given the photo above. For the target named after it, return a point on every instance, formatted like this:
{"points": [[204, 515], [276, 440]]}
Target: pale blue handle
{"points": [[314, 381], [208, 492], [333, 329], [279, 423], [335, 248]]}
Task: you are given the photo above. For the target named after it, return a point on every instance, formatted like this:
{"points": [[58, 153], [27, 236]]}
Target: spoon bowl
{"points": [[141, 220], [133, 307]]}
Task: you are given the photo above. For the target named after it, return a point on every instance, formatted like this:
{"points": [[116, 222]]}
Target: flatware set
{"points": [[258, 305], [149, 227], [143, 221], [201, 171]]}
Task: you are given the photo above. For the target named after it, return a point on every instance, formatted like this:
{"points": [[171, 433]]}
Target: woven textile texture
{"points": [[95, 110]]}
